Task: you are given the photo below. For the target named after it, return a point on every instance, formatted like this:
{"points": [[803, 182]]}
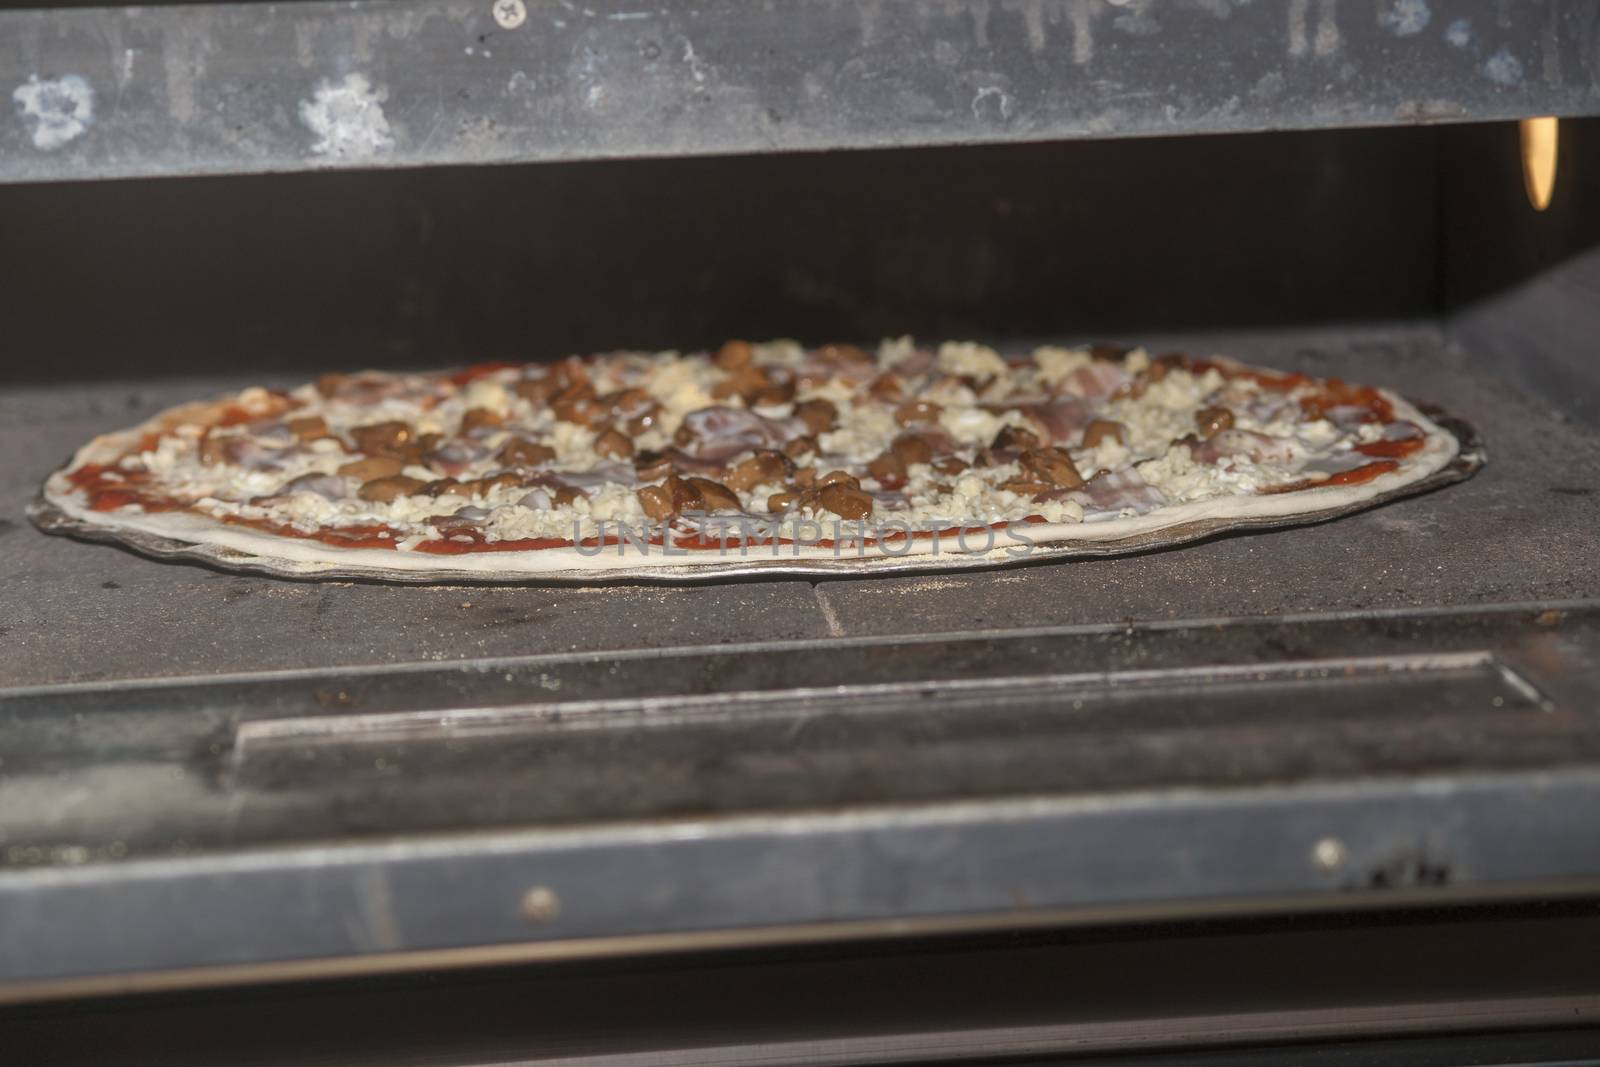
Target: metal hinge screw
{"points": [[510, 13], [1329, 853], [540, 904]]}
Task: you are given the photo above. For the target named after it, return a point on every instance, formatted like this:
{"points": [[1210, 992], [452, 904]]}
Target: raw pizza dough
{"points": [[756, 455]]}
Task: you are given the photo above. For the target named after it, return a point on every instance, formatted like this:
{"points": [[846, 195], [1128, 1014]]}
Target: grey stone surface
{"points": [[1523, 530]]}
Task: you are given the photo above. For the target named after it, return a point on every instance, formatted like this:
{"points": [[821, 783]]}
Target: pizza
{"points": [[667, 463]]}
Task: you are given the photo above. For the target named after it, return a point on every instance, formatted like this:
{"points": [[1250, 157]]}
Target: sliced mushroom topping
{"points": [[771, 396], [1015, 437], [565, 495], [684, 496], [839, 478], [439, 487], [845, 501], [1155, 372], [613, 444], [214, 447], [1212, 421], [329, 384], [917, 363], [540, 391], [743, 382], [520, 452], [950, 465], [888, 470], [636, 409], [714, 496], [887, 386], [650, 465], [805, 477], [917, 411], [578, 404], [800, 448], [735, 354], [386, 490], [819, 415], [537, 391], [1100, 429], [485, 486], [480, 419], [779, 503], [946, 389], [416, 450], [911, 448], [570, 371], [690, 495], [1052, 465], [760, 469], [373, 467], [979, 386], [308, 428], [842, 354], [360, 390], [656, 502], [1025, 487], [382, 438]]}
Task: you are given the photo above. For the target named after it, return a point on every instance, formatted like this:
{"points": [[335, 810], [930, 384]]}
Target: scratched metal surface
{"points": [[233, 88], [721, 797]]}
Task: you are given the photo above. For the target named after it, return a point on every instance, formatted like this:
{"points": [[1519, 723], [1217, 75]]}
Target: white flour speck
{"points": [[1503, 68], [347, 118], [1404, 18], [56, 110]]}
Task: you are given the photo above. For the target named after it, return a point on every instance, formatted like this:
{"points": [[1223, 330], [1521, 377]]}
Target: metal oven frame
{"points": [[210, 778]]}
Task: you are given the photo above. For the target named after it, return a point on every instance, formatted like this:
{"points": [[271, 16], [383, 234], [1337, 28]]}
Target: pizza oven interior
{"points": [[1401, 702]]}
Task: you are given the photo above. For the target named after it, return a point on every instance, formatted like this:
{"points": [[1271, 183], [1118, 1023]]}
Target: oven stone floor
{"points": [[1523, 530]]}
